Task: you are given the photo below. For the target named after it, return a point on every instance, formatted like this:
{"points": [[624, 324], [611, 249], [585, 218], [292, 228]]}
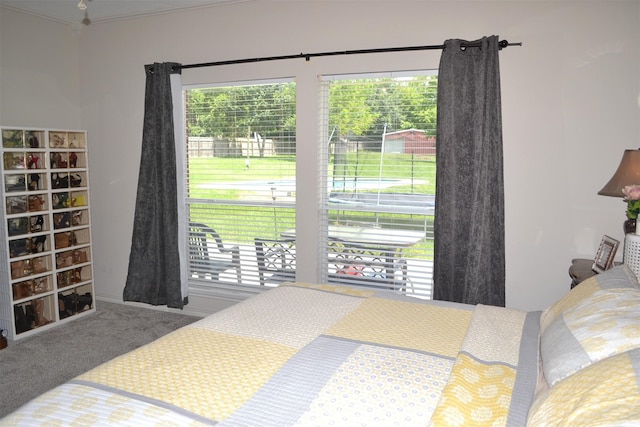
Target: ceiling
{"points": [[105, 10]]}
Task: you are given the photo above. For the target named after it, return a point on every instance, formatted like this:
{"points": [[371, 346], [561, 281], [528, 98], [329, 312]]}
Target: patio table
{"points": [[367, 253]]}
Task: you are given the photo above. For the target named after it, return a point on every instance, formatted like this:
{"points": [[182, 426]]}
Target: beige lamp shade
{"points": [[628, 173]]}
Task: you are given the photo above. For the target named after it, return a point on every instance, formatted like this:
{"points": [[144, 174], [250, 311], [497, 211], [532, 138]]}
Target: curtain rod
{"points": [[307, 56]]}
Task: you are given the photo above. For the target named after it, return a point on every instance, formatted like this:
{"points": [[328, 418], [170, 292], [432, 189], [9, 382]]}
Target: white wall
{"points": [[39, 73], [570, 101]]}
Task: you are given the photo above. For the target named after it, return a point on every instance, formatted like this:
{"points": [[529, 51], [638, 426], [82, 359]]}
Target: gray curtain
{"points": [[154, 261], [469, 221]]}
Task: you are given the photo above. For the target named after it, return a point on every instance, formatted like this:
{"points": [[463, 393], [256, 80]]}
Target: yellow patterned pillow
{"points": [[606, 323], [618, 277], [606, 393]]}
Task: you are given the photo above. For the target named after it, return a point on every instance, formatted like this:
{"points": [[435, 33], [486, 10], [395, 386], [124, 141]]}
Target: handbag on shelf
{"points": [[19, 269], [61, 220], [17, 226], [79, 257], [64, 259], [62, 240], [76, 180], [23, 289], [35, 203], [19, 247]]}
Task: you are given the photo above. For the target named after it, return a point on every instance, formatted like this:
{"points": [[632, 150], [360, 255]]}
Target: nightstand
{"points": [[580, 270]]}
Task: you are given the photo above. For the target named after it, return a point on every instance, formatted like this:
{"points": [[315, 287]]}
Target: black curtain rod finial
{"points": [[504, 43]]}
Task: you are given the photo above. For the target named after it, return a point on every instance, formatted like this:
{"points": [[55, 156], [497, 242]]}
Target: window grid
{"points": [[240, 178], [378, 151], [377, 174]]}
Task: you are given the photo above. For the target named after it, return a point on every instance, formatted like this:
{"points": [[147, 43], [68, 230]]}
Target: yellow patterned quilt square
{"points": [[423, 327], [476, 394], [205, 372]]}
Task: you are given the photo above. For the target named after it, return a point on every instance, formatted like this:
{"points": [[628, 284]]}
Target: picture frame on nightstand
{"points": [[605, 254]]}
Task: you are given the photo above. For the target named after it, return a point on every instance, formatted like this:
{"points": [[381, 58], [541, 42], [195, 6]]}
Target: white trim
{"points": [[239, 83], [385, 74], [179, 136]]}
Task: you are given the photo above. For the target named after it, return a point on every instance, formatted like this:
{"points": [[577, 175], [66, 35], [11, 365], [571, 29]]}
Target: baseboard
{"points": [[199, 305]]}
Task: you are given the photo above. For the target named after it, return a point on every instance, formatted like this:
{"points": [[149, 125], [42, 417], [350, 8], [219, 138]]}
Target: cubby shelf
{"points": [[46, 272]]}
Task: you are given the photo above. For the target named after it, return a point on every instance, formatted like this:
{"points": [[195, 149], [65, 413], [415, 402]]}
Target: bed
{"points": [[322, 355]]}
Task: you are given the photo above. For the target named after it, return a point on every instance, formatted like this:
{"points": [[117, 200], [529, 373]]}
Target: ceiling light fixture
{"points": [[82, 5]]}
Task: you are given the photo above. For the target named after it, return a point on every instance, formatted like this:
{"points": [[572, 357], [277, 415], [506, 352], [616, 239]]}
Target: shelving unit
{"points": [[46, 275]]}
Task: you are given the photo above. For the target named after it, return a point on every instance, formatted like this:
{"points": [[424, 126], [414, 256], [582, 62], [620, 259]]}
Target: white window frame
{"points": [[325, 207]]}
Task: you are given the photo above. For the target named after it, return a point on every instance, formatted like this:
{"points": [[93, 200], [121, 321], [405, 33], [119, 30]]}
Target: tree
{"points": [[351, 112], [359, 109], [241, 111], [364, 107]]}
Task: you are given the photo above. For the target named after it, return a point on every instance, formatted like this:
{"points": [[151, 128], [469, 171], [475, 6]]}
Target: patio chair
{"points": [[276, 260], [211, 260]]}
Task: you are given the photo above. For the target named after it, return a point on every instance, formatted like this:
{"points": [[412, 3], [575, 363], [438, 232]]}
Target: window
{"points": [[377, 185], [379, 152], [240, 178]]}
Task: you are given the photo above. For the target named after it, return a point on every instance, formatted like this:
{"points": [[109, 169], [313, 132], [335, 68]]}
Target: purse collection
{"points": [[47, 222]]}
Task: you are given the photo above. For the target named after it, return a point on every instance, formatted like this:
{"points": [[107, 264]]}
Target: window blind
{"points": [[240, 179], [377, 146]]}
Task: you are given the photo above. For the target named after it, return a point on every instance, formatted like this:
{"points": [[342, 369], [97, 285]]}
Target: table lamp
{"points": [[628, 173]]}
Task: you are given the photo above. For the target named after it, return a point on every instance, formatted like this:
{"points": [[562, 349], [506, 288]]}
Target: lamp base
{"points": [[632, 252], [629, 226]]}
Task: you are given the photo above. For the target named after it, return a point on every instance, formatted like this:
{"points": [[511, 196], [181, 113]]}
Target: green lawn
{"points": [[359, 165], [241, 224]]}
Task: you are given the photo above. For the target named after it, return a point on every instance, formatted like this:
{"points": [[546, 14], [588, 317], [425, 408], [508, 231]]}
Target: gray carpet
{"points": [[33, 365]]}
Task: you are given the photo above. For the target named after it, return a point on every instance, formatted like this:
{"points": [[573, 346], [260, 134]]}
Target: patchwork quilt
{"points": [[314, 355]]}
